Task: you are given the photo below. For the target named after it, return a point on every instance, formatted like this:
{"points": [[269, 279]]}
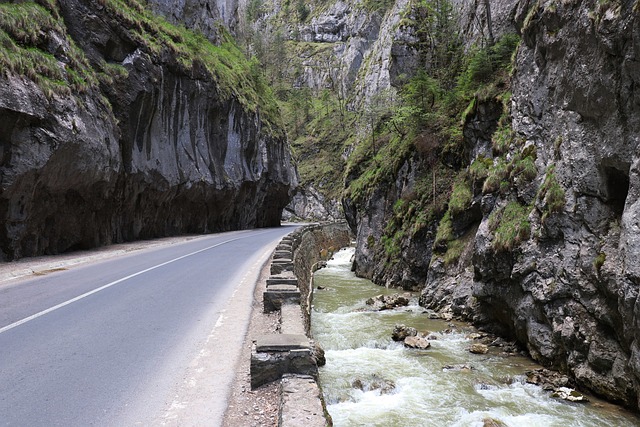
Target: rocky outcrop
{"points": [[569, 292], [201, 15], [406, 263], [347, 52], [153, 144], [309, 204], [564, 282]]}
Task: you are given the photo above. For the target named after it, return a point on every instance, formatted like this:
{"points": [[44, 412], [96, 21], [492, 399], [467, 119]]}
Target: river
{"points": [[370, 380]]}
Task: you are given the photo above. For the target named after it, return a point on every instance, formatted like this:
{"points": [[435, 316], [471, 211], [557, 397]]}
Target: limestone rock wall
{"points": [[311, 244], [570, 291], [159, 151], [409, 268]]}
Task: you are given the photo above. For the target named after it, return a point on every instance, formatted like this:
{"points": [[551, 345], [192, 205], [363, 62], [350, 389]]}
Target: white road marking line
{"points": [[108, 285]]}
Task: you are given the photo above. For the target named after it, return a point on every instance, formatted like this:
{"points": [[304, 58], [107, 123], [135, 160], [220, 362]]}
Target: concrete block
{"points": [[281, 267], [284, 247], [283, 280], [291, 319], [282, 255], [282, 342], [267, 366], [301, 402], [274, 299]]}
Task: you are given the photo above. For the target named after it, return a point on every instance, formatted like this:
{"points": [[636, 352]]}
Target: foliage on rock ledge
{"points": [[26, 32], [29, 47], [482, 75]]}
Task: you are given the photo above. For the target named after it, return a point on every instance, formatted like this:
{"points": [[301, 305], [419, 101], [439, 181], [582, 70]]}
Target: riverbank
{"points": [[459, 380]]}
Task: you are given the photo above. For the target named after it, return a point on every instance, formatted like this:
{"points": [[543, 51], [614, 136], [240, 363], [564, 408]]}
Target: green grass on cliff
{"points": [[26, 29], [551, 195], [510, 225], [235, 75]]}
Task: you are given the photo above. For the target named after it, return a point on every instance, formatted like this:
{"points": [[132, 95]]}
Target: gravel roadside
{"points": [[246, 407]]}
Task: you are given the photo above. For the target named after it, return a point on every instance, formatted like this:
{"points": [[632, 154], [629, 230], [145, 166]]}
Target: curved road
{"points": [[150, 338]]}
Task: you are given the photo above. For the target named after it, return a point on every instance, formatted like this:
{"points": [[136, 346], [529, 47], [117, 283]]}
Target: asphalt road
{"points": [[150, 338]]}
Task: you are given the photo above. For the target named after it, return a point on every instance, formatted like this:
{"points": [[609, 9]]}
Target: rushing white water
{"points": [[370, 380]]}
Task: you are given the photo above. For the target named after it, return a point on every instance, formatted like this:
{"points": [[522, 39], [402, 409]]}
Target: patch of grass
{"points": [[523, 166], [496, 176], [551, 195], [510, 225], [454, 251], [461, 195], [479, 168], [26, 31], [598, 262], [444, 233], [502, 137], [235, 75]]}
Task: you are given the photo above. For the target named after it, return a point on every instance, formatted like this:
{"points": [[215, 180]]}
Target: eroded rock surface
{"points": [[155, 150]]}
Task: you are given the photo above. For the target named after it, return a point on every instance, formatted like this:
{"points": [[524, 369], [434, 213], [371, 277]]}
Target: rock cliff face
{"points": [[548, 253], [570, 291], [150, 142]]}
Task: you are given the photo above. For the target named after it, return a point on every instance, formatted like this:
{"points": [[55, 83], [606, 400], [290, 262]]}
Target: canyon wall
{"points": [[545, 250], [129, 127]]}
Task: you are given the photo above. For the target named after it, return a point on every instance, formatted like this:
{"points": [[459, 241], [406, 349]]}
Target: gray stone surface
{"points": [[281, 267], [291, 319], [270, 366], [274, 299], [282, 288], [282, 255], [157, 152], [282, 280], [282, 342], [301, 403]]}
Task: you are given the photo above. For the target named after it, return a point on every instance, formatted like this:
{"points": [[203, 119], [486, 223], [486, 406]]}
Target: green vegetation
{"points": [[496, 176], [380, 6], [510, 226], [26, 29], [454, 251], [429, 113], [598, 262], [444, 234], [420, 124], [461, 195], [234, 74], [551, 195], [479, 169]]}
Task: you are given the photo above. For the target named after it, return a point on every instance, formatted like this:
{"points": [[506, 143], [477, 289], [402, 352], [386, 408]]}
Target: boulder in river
{"points": [[374, 382], [458, 367], [547, 379], [417, 342], [400, 332], [491, 422], [388, 302], [478, 348], [569, 394]]}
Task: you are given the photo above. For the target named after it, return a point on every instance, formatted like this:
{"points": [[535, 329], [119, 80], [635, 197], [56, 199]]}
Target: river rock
{"points": [[417, 342], [400, 332], [478, 349], [458, 367], [492, 422], [388, 302], [547, 379], [569, 394], [318, 354], [374, 382]]}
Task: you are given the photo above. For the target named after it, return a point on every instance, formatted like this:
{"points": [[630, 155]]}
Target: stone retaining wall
{"points": [[311, 245], [291, 356]]}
